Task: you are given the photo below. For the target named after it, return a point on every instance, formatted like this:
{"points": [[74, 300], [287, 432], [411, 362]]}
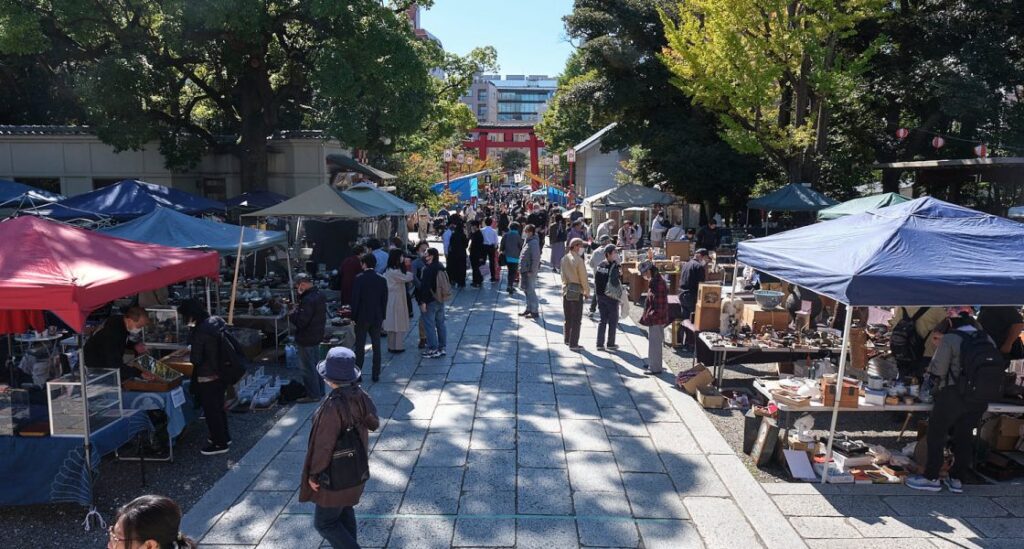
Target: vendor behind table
{"points": [[120, 333]]}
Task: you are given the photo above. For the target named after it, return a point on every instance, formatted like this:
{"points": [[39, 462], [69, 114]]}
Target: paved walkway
{"points": [[513, 441]]}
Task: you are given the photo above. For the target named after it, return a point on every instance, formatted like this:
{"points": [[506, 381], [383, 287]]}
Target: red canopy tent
{"points": [[72, 272]]}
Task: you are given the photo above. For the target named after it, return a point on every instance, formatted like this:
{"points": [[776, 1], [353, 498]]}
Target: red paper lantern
{"points": [[902, 133], [981, 151], [938, 142]]}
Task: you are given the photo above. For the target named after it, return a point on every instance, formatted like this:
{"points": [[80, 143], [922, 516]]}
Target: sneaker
{"points": [[600, 347], [442, 352], [953, 484], [612, 347], [428, 352], [918, 482], [214, 449], [576, 348], [210, 442]]}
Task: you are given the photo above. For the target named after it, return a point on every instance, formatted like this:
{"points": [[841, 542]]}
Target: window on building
{"points": [[496, 137], [481, 95], [520, 137], [214, 189], [481, 110], [100, 182], [49, 184]]}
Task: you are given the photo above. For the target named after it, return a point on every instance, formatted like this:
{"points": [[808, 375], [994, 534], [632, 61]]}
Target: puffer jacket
{"points": [[511, 246]]}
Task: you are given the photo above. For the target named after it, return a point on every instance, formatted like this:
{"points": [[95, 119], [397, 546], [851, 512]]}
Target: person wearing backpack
{"points": [[434, 291], [336, 467], [911, 342], [210, 378], [965, 376]]}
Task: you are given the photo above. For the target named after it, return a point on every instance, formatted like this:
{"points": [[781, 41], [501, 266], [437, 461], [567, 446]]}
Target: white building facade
{"points": [[596, 170], [71, 160]]}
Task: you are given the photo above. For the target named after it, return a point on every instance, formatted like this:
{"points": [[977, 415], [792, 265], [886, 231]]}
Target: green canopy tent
{"points": [[861, 205], [795, 197]]}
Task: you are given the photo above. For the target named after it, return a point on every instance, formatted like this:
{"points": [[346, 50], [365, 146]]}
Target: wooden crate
{"points": [[708, 319], [680, 249], [757, 318], [710, 295]]}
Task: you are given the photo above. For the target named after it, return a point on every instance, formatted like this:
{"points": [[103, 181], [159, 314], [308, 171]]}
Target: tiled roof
{"points": [[44, 130]]}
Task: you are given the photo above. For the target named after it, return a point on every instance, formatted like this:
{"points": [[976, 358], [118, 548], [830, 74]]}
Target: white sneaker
{"points": [[919, 482], [953, 484]]}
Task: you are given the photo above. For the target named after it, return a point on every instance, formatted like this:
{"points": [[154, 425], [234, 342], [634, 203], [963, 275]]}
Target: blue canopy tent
{"points": [[795, 197], [20, 195], [922, 252], [553, 195], [126, 200], [465, 187], [256, 200], [170, 228]]}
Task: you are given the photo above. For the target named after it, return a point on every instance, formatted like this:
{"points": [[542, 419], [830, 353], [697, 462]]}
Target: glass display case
{"points": [[68, 408], [14, 409], [165, 329]]}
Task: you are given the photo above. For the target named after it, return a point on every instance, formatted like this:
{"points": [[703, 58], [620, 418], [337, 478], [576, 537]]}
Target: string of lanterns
{"points": [[980, 150]]}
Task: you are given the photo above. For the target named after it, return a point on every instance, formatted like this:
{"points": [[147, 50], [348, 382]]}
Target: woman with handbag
{"points": [[336, 466], [511, 245], [655, 316], [608, 287], [575, 291]]}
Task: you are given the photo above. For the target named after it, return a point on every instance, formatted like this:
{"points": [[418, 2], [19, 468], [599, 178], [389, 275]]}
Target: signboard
{"points": [[571, 155], [447, 155], [518, 178]]}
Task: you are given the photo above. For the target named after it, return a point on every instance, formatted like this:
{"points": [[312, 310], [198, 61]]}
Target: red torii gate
{"points": [[508, 132]]}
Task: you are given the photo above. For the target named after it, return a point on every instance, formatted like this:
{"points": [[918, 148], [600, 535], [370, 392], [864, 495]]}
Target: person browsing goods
{"points": [[309, 317], [369, 308], [120, 333]]}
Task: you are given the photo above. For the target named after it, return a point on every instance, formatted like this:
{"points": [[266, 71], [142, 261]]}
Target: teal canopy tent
{"points": [[167, 227], [795, 197], [861, 205]]}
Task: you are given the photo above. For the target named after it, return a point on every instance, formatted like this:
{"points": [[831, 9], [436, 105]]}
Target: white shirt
{"points": [[490, 236], [469, 213], [657, 227], [446, 237]]}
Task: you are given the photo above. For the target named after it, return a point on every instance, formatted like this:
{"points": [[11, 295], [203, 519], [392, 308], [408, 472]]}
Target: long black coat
{"points": [[369, 298], [457, 258]]}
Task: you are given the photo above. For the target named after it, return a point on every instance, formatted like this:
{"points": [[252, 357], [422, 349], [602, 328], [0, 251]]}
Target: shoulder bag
{"points": [[350, 464]]}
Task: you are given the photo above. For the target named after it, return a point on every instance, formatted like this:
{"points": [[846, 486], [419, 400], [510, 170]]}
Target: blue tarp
{"points": [[921, 252], [177, 230], [129, 199], [795, 197], [553, 195], [16, 195], [466, 187], [256, 200]]}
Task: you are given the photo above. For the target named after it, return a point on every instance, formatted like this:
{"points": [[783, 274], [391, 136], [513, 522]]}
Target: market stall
{"points": [[861, 205], [126, 200], [71, 272], [255, 200], [466, 187], [795, 197], [16, 196], [923, 252]]}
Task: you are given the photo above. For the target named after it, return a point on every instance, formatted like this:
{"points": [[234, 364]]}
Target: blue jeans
{"points": [[530, 287], [337, 525], [310, 379], [437, 334], [609, 309]]}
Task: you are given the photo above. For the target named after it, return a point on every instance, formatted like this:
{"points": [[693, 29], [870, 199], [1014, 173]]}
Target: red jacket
{"points": [[350, 269], [656, 309]]}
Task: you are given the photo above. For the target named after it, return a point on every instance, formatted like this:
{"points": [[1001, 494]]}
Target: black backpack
{"points": [[233, 362], [904, 343], [982, 368]]}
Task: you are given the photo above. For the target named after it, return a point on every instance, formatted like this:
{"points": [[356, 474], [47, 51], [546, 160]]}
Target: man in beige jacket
{"points": [[575, 292]]}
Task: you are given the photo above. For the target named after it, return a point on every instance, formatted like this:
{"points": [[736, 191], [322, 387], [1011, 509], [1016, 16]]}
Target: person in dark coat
{"points": [[309, 317], [349, 270], [120, 333], [347, 406], [477, 253], [457, 256], [369, 307], [205, 340]]}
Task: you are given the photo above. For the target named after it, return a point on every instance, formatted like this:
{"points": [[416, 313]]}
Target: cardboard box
{"points": [[709, 397], [1007, 433], [710, 295], [678, 249], [701, 380], [707, 319], [764, 445], [757, 318], [849, 396]]}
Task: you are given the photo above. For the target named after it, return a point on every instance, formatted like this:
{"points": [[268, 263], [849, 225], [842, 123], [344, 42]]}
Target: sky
{"points": [[528, 34]]}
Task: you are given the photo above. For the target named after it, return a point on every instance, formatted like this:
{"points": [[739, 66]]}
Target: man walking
{"points": [[491, 247], [310, 320], [431, 297], [369, 306], [529, 267]]}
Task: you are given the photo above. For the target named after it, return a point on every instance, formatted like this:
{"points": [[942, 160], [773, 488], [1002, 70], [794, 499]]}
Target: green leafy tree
{"points": [[187, 73], [771, 71], [514, 161], [616, 76]]}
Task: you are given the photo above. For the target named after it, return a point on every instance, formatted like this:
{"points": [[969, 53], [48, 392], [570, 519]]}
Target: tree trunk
{"points": [[258, 121]]}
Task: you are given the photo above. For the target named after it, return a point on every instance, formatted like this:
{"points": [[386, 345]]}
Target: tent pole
{"points": [[234, 282], [86, 440], [208, 310], [291, 284], [843, 354]]}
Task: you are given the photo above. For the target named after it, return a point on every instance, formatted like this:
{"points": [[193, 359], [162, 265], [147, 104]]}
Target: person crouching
{"points": [[346, 407]]}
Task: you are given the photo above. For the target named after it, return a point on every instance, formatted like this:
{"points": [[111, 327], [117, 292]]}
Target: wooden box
{"points": [[180, 361], [849, 396], [707, 319], [678, 249], [710, 295], [155, 386], [757, 318], [710, 398]]}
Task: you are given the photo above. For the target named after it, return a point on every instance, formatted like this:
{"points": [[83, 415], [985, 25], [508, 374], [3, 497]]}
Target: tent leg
{"points": [[843, 354], [234, 282], [208, 309], [291, 283], [86, 440]]}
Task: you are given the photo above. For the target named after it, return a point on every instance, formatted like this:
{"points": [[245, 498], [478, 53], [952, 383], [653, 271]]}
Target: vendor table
{"points": [[765, 386], [176, 403], [720, 356], [53, 469], [276, 325]]}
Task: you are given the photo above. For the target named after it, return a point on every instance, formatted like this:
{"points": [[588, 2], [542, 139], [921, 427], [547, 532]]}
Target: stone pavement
{"points": [[513, 441]]}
